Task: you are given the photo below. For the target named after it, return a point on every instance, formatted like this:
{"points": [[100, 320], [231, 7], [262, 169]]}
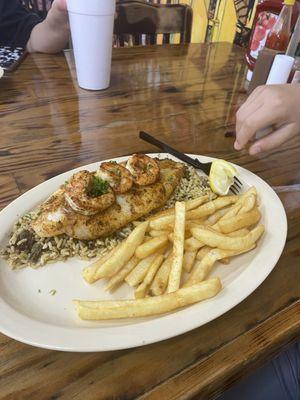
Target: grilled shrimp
{"points": [[119, 178], [87, 194], [144, 169]]}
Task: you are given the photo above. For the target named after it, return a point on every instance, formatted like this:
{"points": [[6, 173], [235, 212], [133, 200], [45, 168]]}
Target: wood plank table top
{"points": [[187, 96]]}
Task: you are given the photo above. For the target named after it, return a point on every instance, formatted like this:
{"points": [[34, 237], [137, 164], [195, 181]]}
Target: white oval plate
{"points": [[30, 314]]}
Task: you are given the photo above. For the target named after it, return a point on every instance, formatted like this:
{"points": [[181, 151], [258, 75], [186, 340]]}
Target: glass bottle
{"points": [[266, 15], [279, 36]]}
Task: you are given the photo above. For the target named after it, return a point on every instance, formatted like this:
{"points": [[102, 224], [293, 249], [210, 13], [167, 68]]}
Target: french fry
{"points": [[215, 239], [162, 222], [88, 273], [225, 260], [165, 218], [246, 201], [211, 207], [119, 277], [187, 232], [188, 260], [168, 251], [243, 197], [240, 232], [123, 254], [189, 205], [161, 279], [202, 252], [147, 238], [155, 233], [151, 246], [238, 222], [251, 191], [137, 275], [215, 217], [163, 213], [248, 204], [202, 268], [178, 247], [232, 212], [136, 223], [242, 205], [192, 244], [142, 290], [104, 310], [199, 221]]}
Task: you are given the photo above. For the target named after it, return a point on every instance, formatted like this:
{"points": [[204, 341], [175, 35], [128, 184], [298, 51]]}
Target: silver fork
{"points": [[205, 167]]}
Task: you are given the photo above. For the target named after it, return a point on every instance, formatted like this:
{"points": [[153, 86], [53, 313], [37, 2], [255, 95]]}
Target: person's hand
{"points": [[52, 34], [276, 106], [61, 5], [58, 13]]}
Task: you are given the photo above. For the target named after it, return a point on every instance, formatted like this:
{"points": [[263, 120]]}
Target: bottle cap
{"points": [[289, 2]]}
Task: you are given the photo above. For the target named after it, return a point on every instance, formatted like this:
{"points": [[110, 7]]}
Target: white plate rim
{"points": [[36, 333]]}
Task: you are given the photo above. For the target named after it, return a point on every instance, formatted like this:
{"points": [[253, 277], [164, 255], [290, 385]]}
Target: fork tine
{"points": [[238, 181], [237, 188], [234, 190], [237, 184]]}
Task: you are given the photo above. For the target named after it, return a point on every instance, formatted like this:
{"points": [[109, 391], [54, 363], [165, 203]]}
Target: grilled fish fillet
{"points": [[57, 217]]}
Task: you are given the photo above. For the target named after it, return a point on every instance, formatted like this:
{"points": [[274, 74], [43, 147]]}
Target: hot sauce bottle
{"points": [[266, 15], [279, 36]]}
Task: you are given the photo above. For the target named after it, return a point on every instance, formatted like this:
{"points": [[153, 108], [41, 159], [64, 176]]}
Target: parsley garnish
{"points": [[52, 292], [39, 291], [97, 187]]}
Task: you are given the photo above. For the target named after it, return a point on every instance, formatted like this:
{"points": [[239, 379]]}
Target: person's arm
{"points": [[51, 35], [276, 106]]}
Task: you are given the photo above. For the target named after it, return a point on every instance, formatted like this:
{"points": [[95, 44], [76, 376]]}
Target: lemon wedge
{"points": [[221, 176]]}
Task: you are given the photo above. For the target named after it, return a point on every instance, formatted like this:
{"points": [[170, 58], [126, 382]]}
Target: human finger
{"points": [[262, 118], [274, 140], [62, 5], [251, 105], [251, 99]]}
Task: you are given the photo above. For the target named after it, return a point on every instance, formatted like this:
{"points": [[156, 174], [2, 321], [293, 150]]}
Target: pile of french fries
{"points": [[168, 258]]}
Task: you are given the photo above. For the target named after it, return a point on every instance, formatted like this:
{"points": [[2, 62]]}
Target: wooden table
{"points": [[186, 95]]}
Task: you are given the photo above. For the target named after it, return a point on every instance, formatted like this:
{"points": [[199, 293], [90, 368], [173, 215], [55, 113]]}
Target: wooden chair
{"points": [[244, 9], [139, 22]]}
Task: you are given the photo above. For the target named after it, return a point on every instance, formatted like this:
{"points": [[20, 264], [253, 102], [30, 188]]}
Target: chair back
{"points": [[244, 10], [142, 21]]}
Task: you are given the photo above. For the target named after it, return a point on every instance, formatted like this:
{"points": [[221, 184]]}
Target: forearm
{"points": [[51, 35]]}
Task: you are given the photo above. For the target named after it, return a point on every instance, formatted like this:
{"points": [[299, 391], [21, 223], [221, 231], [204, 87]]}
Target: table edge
{"points": [[253, 348]]}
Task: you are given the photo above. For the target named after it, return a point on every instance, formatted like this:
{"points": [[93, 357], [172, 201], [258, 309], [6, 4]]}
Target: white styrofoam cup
{"points": [[91, 23]]}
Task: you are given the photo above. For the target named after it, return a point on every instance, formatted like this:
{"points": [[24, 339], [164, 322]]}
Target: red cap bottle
{"points": [[266, 15], [278, 37]]}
